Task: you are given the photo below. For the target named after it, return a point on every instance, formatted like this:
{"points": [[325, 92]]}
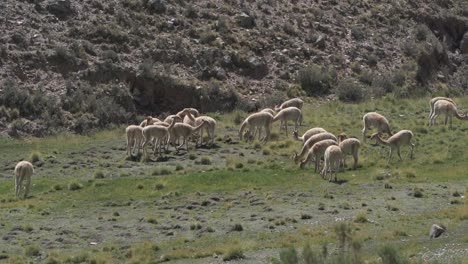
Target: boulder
{"points": [[257, 67], [437, 230]]}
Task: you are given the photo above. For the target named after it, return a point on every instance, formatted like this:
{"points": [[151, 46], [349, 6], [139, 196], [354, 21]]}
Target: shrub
{"points": [[315, 80], [110, 55], [208, 37], [179, 167], [349, 90], [410, 48], [357, 33], [191, 12], [223, 24], [238, 117], [421, 32]]}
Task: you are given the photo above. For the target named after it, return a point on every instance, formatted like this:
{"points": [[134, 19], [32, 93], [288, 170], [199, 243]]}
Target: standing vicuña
{"points": [[376, 120], [399, 139], [433, 101], [296, 102], [149, 121], [286, 114], [309, 133], [317, 151], [185, 131], [447, 108], [310, 142], [332, 161], [349, 146], [134, 137], [210, 126], [255, 122], [159, 133], [23, 172]]}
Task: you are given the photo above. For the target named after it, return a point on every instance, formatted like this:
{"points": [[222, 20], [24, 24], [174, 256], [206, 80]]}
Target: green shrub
{"points": [[191, 12], [421, 32], [179, 167], [349, 90], [315, 80], [358, 33], [208, 37]]}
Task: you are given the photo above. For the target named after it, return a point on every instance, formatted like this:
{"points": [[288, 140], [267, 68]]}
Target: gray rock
{"points": [[437, 230], [257, 66]]}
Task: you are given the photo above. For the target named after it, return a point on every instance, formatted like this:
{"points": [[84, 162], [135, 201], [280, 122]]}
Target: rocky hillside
{"points": [[76, 65]]}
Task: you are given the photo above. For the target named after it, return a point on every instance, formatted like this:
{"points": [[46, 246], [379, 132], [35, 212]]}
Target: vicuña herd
{"points": [[317, 143]]}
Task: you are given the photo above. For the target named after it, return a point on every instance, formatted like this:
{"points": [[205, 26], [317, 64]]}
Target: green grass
{"points": [[92, 181]]}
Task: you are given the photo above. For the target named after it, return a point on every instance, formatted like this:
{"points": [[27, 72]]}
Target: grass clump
{"points": [[179, 167], [161, 171], [32, 251], [152, 221], [234, 253], [159, 186], [73, 186], [192, 156], [206, 160], [389, 255], [239, 165], [237, 227], [361, 218], [418, 193], [99, 174], [35, 156]]}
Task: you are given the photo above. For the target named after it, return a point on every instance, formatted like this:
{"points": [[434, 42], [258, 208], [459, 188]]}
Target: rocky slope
{"points": [[77, 65]]}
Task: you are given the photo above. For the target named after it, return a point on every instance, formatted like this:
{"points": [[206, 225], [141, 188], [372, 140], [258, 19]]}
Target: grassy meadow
{"points": [[241, 202]]}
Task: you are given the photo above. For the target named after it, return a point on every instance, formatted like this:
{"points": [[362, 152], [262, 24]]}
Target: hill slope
{"points": [[103, 62]]}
